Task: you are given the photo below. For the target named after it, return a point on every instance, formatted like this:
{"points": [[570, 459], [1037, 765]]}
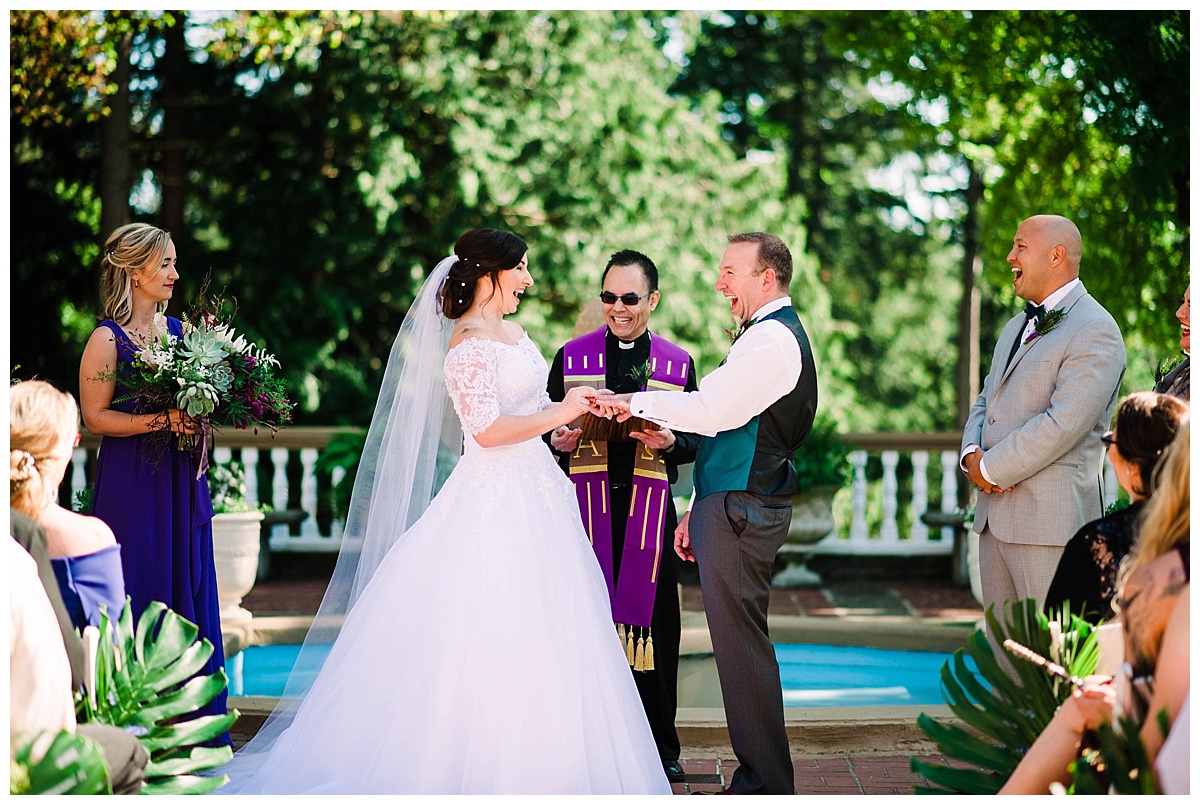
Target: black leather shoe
{"points": [[674, 771]]}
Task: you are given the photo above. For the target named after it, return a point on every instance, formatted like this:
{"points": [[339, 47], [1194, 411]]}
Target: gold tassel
{"points": [[649, 651], [639, 660], [629, 647], [621, 635]]}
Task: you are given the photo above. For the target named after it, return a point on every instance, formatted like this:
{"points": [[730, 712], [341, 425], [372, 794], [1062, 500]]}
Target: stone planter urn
{"points": [[235, 552], [812, 521]]}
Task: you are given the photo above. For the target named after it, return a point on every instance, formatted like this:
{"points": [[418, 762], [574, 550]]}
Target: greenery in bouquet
{"points": [[227, 485], [211, 372]]}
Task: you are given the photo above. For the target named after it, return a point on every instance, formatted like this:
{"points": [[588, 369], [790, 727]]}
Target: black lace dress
{"points": [[1086, 578]]}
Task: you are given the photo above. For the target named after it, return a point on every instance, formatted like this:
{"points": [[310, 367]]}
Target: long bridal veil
{"points": [[412, 445]]}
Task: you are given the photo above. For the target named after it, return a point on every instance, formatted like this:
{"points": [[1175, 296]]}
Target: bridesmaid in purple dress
{"points": [[148, 494]]}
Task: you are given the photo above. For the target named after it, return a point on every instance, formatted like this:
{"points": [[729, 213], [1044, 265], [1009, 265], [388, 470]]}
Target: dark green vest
{"points": [[758, 456]]}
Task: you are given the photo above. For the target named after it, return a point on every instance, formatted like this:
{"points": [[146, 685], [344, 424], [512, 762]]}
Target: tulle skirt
{"points": [[481, 658]]}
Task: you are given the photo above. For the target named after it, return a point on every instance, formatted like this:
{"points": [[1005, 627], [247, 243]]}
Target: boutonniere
{"points": [[641, 375], [735, 334], [1046, 323]]}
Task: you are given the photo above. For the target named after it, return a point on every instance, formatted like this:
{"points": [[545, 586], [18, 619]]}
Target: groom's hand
{"points": [[975, 475], [609, 405], [683, 543]]}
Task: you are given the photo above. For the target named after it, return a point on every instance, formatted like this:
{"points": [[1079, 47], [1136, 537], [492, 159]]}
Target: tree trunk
{"points": [[173, 156], [967, 374], [115, 161]]}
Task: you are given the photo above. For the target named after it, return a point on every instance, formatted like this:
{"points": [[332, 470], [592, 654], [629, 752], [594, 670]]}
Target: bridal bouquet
{"points": [[213, 374]]}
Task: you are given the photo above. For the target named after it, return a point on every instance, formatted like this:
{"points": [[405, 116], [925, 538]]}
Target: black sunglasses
{"points": [[1109, 439], [627, 299]]}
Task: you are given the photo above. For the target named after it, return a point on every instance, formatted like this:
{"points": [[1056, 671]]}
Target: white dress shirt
{"points": [[763, 365], [1048, 303]]}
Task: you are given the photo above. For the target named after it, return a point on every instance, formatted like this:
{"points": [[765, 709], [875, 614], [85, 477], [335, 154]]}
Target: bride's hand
{"points": [[579, 399]]}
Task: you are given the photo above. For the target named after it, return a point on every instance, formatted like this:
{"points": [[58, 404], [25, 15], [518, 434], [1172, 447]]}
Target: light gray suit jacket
{"points": [[1040, 420]]}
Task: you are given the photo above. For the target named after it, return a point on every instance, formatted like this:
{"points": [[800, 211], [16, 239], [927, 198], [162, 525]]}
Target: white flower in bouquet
{"points": [[234, 345]]}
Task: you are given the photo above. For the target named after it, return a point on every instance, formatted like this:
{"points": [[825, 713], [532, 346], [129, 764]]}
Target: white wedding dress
{"points": [[481, 657]]}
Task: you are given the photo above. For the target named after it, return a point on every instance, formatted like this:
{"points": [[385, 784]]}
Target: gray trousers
{"points": [[735, 536]]}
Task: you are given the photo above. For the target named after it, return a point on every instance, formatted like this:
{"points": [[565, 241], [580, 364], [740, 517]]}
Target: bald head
{"points": [[1058, 231], [1045, 256]]}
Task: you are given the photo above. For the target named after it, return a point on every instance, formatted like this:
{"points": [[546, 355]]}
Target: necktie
{"points": [[1032, 311]]}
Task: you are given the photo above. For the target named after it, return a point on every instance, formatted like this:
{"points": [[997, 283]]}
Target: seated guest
{"points": [[43, 432], [1153, 600], [1087, 572], [1178, 382], [40, 680], [1155, 616], [1167, 519]]}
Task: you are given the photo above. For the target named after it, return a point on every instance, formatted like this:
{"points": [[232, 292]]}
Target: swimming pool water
{"points": [[812, 675]]}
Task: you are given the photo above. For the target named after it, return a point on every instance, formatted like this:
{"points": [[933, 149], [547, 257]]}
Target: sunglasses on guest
{"points": [[1109, 439], [627, 299]]}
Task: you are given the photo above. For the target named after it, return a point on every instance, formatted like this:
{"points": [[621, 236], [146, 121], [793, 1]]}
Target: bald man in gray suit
{"points": [[1032, 444]]}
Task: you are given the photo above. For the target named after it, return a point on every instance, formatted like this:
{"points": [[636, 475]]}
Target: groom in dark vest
{"points": [[623, 478], [755, 411]]}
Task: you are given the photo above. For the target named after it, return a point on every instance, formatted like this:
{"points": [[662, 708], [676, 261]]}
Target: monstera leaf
{"points": [[1006, 712], [145, 683], [72, 764]]}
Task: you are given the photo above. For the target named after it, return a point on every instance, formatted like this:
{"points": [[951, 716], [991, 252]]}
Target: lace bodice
{"points": [[488, 378]]}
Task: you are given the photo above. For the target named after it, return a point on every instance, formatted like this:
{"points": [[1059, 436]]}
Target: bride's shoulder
{"points": [[468, 343]]}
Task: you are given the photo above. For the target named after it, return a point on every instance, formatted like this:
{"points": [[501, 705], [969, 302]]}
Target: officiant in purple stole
{"points": [[623, 483]]}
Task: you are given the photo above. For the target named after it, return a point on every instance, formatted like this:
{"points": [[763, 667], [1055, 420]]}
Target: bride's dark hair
{"points": [[480, 253]]}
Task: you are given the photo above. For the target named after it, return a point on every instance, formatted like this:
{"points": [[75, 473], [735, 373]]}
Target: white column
{"points": [[222, 455], [858, 527], [78, 475], [1112, 488], [308, 492], [889, 532], [279, 483], [250, 463], [335, 525], [920, 496], [949, 489]]}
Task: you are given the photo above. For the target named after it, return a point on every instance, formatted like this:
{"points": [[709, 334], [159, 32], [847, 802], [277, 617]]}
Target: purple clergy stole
{"points": [[632, 596]]}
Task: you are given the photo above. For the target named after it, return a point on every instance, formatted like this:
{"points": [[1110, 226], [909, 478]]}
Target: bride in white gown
{"points": [[477, 654]]}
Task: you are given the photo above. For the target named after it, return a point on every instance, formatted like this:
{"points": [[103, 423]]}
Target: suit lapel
{"points": [[1067, 303]]}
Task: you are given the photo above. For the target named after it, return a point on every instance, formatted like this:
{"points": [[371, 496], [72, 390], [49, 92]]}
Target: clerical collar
{"points": [[645, 336]]}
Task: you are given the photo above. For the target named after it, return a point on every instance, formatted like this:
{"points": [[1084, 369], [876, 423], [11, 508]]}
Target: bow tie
{"points": [[1033, 311], [745, 326]]}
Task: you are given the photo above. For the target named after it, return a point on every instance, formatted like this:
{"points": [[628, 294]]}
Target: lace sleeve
{"points": [[544, 400], [471, 379]]}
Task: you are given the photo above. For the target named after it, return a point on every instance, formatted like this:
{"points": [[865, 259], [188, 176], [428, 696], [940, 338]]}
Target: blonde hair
{"points": [[1166, 521], [129, 248], [38, 415]]}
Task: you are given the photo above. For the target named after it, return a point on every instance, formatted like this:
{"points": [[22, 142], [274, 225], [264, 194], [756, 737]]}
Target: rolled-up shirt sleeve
{"points": [[763, 365]]}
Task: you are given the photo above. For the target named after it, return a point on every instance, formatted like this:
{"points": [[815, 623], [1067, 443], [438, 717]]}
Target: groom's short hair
{"points": [[773, 253], [628, 257]]}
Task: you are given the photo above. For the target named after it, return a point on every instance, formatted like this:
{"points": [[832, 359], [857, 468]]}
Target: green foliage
{"points": [[823, 459], [332, 157], [343, 452], [1119, 760], [1006, 712], [71, 764], [146, 679], [82, 502]]}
